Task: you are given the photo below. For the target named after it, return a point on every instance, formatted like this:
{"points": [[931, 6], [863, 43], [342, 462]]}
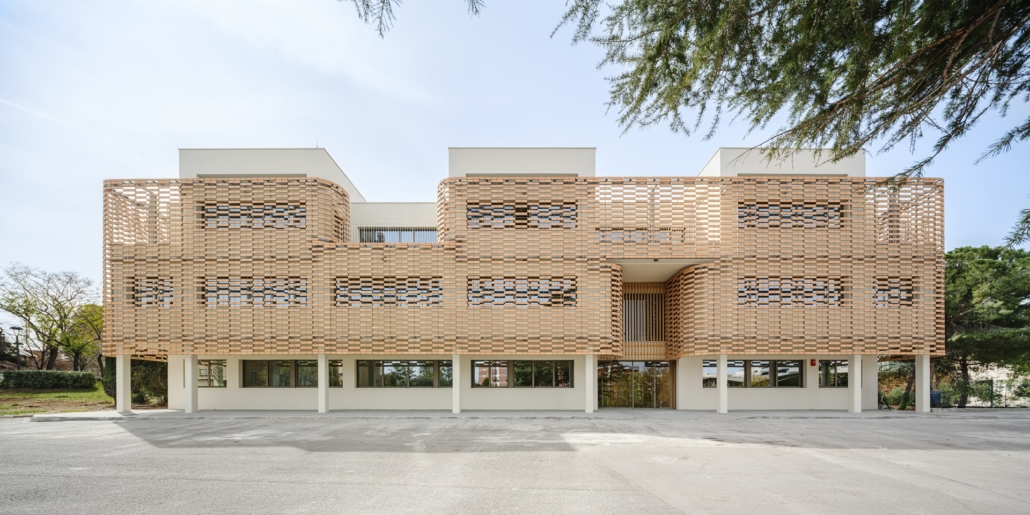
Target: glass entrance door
{"points": [[634, 384]]}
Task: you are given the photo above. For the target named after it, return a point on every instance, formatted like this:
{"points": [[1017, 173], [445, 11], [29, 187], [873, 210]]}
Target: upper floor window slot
{"points": [[254, 216], [397, 234], [151, 291], [255, 291], [522, 291], [522, 215], [892, 292], [388, 291], [791, 291], [766, 215]]}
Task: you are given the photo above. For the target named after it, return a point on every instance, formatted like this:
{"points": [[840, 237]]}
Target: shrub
{"points": [[149, 381], [46, 379]]}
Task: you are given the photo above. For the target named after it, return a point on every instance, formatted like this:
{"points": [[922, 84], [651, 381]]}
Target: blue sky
{"points": [[110, 89]]}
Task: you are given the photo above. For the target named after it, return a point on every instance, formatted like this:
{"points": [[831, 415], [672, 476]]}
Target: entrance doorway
{"points": [[634, 384]]}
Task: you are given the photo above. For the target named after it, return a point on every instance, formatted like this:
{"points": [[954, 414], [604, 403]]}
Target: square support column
{"points": [[456, 384], [720, 381], [190, 367], [589, 380], [855, 383], [323, 383], [123, 383], [870, 382], [922, 383]]}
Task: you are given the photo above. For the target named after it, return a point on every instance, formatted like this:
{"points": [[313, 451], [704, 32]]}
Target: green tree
{"points": [[987, 308], [89, 324], [46, 303], [843, 74]]}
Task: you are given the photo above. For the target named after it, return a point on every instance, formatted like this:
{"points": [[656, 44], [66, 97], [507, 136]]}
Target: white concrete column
{"points": [[922, 383], [123, 383], [456, 384], [855, 383], [590, 380], [870, 382], [190, 367], [724, 398], [323, 383]]}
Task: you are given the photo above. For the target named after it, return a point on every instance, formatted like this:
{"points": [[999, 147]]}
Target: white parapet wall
{"points": [[522, 162], [745, 162]]}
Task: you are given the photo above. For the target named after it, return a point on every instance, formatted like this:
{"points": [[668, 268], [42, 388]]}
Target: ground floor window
{"points": [[833, 373], [404, 374], [634, 384], [755, 373], [537, 373], [301, 373], [210, 373]]}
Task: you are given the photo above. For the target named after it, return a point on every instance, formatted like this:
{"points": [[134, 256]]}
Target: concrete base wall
{"points": [[234, 397], [691, 395]]}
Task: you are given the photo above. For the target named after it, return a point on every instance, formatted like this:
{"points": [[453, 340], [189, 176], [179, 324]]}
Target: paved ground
{"points": [[617, 462]]}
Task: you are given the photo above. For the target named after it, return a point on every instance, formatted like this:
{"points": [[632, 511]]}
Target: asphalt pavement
{"points": [[615, 462]]}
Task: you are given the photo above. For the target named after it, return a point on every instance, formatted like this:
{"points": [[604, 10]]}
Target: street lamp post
{"points": [[17, 345]]}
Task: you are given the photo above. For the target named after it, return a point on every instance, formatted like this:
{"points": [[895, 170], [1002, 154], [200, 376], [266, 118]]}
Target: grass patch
{"points": [[21, 401]]}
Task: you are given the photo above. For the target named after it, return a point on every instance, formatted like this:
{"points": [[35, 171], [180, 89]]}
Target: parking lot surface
{"points": [[632, 462]]}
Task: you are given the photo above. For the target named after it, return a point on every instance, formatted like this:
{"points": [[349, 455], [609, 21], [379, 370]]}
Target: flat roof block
{"points": [[521, 162], [744, 162]]}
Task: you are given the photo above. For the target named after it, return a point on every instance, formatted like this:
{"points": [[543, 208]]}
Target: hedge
{"points": [[46, 379]]}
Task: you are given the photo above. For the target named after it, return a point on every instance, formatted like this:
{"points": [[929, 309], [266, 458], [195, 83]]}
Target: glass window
{"points": [[789, 373], [543, 374], [759, 374], [490, 374], [402, 374], [211, 373], [394, 374], [255, 373], [735, 374], [710, 373], [307, 373], [280, 374], [335, 374], [563, 374], [446, 374], [523, 373], [420, 373], [833, 373]]}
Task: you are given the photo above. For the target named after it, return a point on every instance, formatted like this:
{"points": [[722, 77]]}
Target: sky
{"points": [[111, 89]]}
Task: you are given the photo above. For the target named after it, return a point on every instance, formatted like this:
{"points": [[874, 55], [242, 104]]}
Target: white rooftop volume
{"points": [[522, 162], [204, 163], [743, 162]]}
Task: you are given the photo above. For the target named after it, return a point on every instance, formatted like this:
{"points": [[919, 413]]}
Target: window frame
{"points": [[835, 373], [209, 363], [376, 371], [772, 364]]}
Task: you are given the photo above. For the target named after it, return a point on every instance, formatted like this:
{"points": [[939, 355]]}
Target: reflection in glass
{"points": [[336, 374], [280, 376], [710, 373], [523, 371], [490, 374], [211, 373], [563, 374], [420, 373], [543, 373], [255, 373], [634, 384], [394, 374], [788, 373], [833, 373], [735, 374], [446, 374], [759, 372], [307, 373]]}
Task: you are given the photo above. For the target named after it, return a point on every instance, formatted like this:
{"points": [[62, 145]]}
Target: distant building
{"points": [[267, 281]]}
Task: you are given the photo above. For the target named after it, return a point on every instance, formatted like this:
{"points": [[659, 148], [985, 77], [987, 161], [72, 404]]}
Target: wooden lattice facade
{"points": [[524, 266]]}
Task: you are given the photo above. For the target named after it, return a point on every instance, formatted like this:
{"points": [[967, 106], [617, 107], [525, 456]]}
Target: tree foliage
{"points": [[379, 13], [987, 307], [47, 304], [846, 73]]}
